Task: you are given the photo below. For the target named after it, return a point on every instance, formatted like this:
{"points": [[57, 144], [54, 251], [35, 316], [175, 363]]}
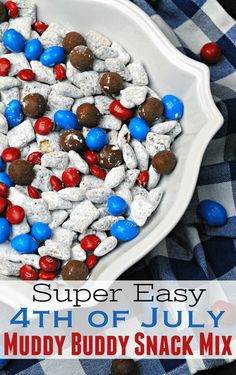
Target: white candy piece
{"points": [[3, 142], [77, 253], [55, 249], [49, 143], [54, 35], [156, 143], [106, 246], [56, 102], [18, 62], [115, 176], [83, 215], [125, 193], [67, 89], [88, 82], [30, 259], [130, 179], [21, 135], [139, 190], [105, 52], [21, 24], [175, 132], [164, 127], [3, 28], [54, 202], [35, 88], [58, 218], [99, 195], [37, 210], [122, 53], [63, 236], [113, 138], [7, 83], [123, 136], [8, 253], [91, 182], [78, 162], [99, 66], [3, 124], [141, 154], [9, 269], [105, 223], [11, 94], [140, 210], [75, 194], [138, 74], [95, 40], [133, 96], [58, 160], [42, 178], [153, 179], [21, 228], [103, 103], [155, 196], [129, 156], [43, 73], [110, 122]]}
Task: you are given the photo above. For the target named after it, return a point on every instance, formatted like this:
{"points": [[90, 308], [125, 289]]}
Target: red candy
{"points": [[59, 72], [40, 27], [47, 275], [10, 154], [35, 158], [98, 172], [15, 215], [33, 192], [5, 67], [12, 8], [91, 157], [90, 242], [28, 273], [71, 177], [122, 113], [49, 264], [211, 53], [91, 261], [3, 190], [56, 183], [3, 204], [26, 75], [143, 178], [43, 126], [9, 204]]}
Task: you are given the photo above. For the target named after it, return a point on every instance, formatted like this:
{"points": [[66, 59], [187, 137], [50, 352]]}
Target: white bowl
{"points": [[170, 72]]}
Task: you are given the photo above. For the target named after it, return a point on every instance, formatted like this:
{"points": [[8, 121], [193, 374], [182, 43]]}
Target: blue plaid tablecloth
{"points": [[192, 250]]}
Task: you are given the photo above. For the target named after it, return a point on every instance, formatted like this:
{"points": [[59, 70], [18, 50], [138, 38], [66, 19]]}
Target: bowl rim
{"points": [[214, 122]]}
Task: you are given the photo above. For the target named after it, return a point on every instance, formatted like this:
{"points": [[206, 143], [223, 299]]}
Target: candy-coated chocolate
{"points": [[14, 113], [3, 13], [3, 204], [88, 115], [14, 41], [120, 112], [28, 273], [151, 110], [110, 157], [3, 190], [98, 172], [24, 244], [5, 230], [111, 83], [91, 157], [91, 261], [47, 275], [34, 105], [71, 177], [33, 192], [173, 107], [96, 139], [52, 56], [56, 183], [12, 8], [33, 49], [116, 206], [90, 242], [66, 120], [5, 179], [124, 230], [41, 231], [26, 75], [5, 66], [143, 178], [82, 58], [39, 27], [49, 264], [35, 158], [164, 162], [59, 72], [10, 154], [43, 126], [72, 140], [74, 270], [21, 172], [212, 213], [138, 129], [211, 53], [72, 40], [15, 215]]}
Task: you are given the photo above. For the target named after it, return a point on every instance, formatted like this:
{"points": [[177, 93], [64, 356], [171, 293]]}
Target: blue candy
{"points": [[33, 49], [5, 230], [3, 362], [5, 179], [2, 165], [24, 244], [138, 129], [173, 107], [14, 41], [52, 56], [66, 120], [124, 230], [96, 139], [41, 231], [116, 206], [213, 213], [13, 113]]}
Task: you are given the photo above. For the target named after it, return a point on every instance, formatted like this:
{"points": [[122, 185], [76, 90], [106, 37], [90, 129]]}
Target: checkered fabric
{"points": [[192, 250]]}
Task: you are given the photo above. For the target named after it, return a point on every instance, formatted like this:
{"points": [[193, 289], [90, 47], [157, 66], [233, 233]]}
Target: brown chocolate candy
{"points": [[82, 58], [123, 367], [110, 157], [111, 83], [151, 110], [72, 140], [72, 40], [3, 13], [34, 105], [164, 162], [88, 115], [74, 270], [21, 172]]}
